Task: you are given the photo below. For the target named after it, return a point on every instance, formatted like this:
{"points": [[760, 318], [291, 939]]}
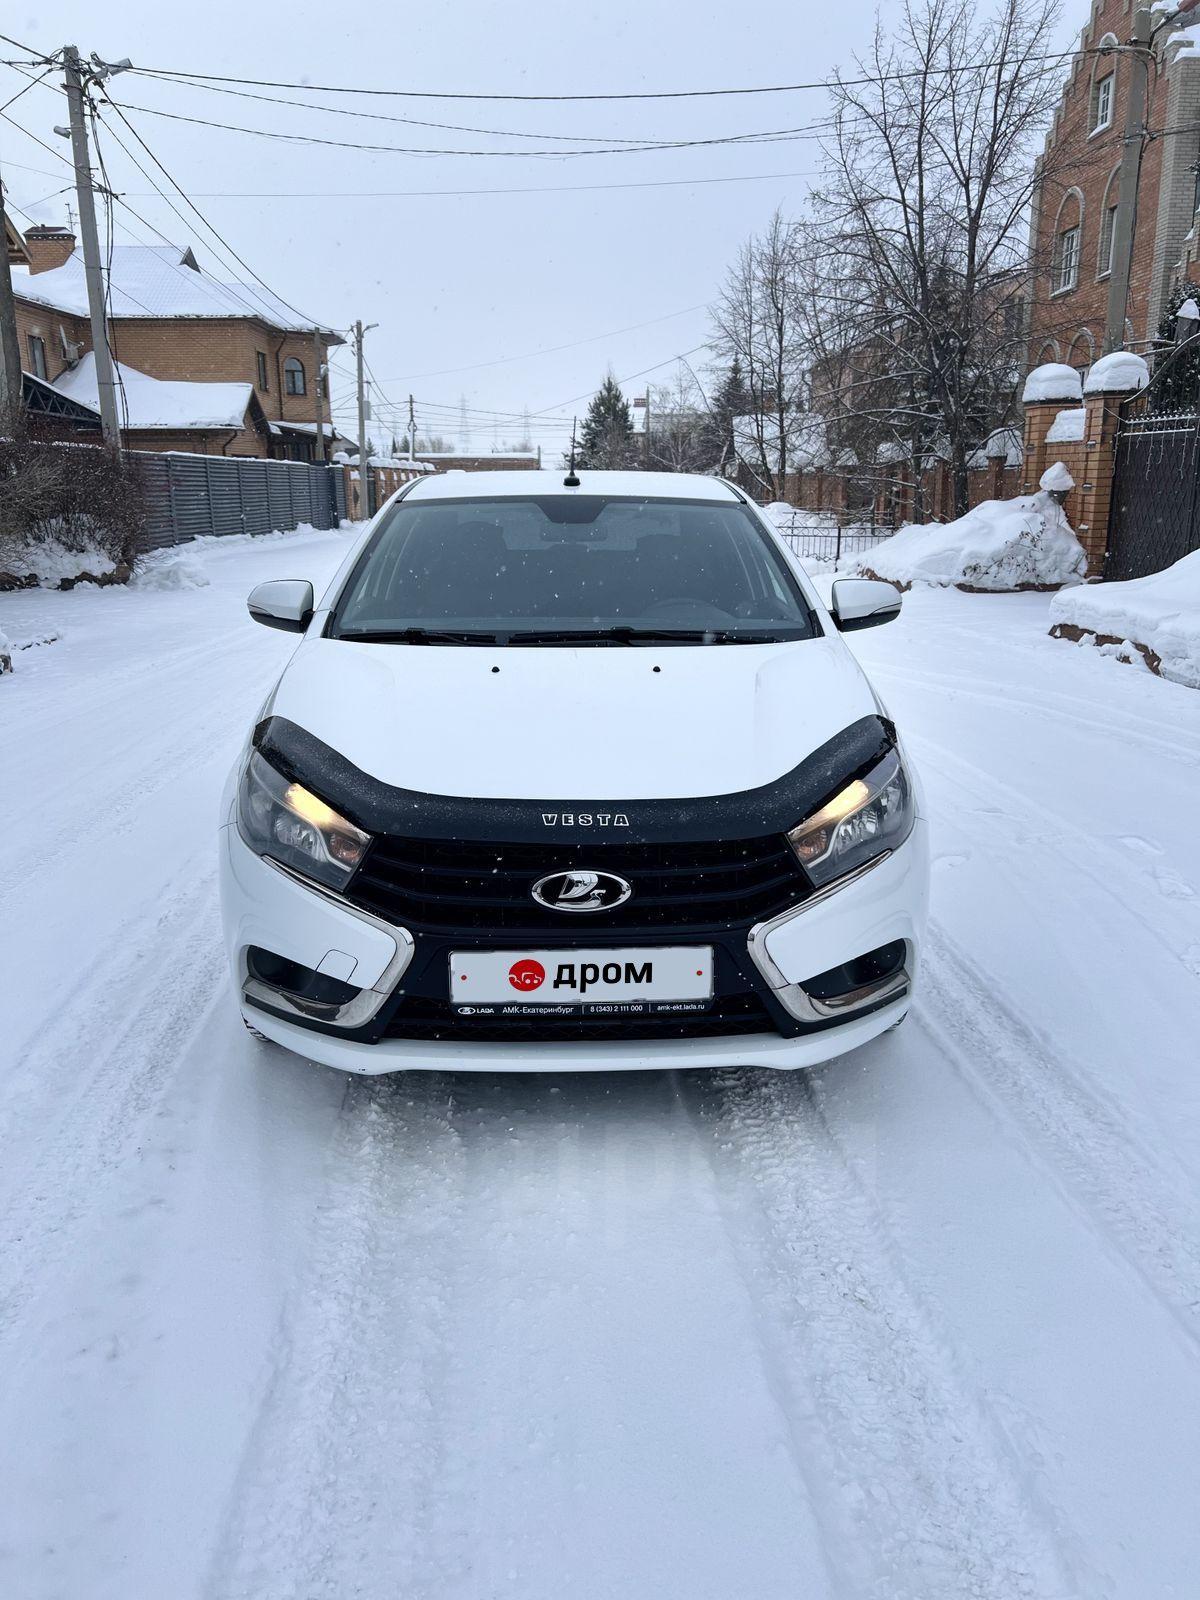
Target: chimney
{"points": [[49, 246]]}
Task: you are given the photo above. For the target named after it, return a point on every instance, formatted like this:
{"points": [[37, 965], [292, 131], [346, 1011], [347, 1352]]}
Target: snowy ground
{"points": [[924, 1325]]}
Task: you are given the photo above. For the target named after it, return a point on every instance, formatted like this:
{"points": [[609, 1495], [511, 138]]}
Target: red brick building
{"points": [[1075, 204], [170, 321]]}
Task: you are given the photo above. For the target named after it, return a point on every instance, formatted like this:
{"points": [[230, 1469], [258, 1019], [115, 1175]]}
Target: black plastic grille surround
{"points": [[440, 884]]}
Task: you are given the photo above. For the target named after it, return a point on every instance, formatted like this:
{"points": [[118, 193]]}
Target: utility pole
{"points": [[364, 411], [412, 430], [10, 349], [317, 388], [90, 240]]}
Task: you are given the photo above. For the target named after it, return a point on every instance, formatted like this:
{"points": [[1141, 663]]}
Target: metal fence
{"points": [[192, 497], [818, 541], [1155, 516]]}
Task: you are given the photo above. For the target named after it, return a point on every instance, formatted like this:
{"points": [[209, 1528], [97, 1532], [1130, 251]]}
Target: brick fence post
{"points": [[1111, 381], [1049, 389]]}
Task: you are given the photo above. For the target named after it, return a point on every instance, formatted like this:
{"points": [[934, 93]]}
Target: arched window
{"points": [[1102, 102], [1108, 223], [1068, 230], [1048, 352], [1083, 350], [293, 376]]}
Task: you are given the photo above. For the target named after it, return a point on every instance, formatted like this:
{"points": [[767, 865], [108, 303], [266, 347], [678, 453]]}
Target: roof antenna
{"points": [[571, 481]]}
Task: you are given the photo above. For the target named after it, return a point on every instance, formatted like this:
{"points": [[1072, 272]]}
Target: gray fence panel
{"points": [[193, 496]]}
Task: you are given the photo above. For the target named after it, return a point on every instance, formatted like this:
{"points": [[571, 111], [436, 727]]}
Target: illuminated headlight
{"points": [[287, 822], [867, 818]]}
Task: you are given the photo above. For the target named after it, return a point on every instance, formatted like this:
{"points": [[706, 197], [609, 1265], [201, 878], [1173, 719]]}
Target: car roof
{"points": [[462, 485]]}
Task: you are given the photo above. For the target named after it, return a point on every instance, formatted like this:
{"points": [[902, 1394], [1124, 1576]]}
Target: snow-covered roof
{"points": [[159, 403], [1068, 426], [152, 280], [1053, 380], [1120, 372]]}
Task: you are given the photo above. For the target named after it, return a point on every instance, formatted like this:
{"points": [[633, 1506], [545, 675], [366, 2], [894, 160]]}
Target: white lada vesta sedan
{"points": [[572, 775]]}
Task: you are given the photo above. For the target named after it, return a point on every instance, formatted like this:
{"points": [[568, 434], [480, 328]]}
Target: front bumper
{"points": [[264, 906]]}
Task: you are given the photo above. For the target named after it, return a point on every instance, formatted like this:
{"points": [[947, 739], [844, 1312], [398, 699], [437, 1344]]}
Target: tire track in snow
{"points": [[332, 1473], [1156, 737], [91, 1077], [917, 1469], [974, 780], [1141, 1208]]}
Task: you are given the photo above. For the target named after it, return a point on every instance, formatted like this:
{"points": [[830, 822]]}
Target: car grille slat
{"points": [[440, 884]]}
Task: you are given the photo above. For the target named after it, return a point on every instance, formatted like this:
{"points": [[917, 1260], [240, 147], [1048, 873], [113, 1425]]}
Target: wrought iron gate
{"points": [[1155, 507]]}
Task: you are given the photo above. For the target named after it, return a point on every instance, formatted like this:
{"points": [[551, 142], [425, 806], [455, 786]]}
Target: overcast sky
{"points": [[481, 281]]}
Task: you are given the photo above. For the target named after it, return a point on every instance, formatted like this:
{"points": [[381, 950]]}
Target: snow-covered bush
{"points": [[1156, 619], [66, 511], [1026, 543]]}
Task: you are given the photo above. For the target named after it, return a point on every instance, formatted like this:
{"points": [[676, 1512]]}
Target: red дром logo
{"points": [[527, 975]]}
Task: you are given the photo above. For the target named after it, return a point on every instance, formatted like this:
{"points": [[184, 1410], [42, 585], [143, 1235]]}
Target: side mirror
{"points": [[285, 603], [863, 603]]}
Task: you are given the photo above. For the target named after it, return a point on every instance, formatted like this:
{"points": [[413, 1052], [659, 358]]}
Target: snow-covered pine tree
{"points": [[1179, 387], [605, 441]]}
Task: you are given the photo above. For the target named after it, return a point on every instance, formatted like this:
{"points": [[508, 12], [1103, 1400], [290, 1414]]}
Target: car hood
{"points": [[560, 723]]}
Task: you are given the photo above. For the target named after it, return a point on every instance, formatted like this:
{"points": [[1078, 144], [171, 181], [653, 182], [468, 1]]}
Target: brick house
{"points": [[1074, 206], [173, 323]]}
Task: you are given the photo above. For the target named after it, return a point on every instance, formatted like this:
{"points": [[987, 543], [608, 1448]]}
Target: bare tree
{"points": [[922, 223], [756, 323], [678, 429]]}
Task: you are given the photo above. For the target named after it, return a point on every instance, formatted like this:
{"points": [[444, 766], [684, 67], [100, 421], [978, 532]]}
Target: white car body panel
{"points": [[515, 723]]}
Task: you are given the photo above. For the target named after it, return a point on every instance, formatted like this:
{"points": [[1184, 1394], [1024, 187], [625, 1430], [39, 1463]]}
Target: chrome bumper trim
{"points": [[793, 997], [366, 1003]]}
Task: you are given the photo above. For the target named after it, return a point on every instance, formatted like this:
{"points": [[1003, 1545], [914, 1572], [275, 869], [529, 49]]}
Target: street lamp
{"points": [[1187, 321]]}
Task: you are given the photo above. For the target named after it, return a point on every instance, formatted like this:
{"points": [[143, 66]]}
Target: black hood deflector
{"points": [[382, 808]]}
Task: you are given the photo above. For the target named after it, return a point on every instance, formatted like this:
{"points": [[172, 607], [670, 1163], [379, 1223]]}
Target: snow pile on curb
{"points": [[1155, 619], [1001, 545], [51, 564], [172, 572]]}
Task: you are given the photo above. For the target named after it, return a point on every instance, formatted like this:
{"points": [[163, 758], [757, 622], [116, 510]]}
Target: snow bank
{"points": [[1119, 373], [5, 653], [1053, 380], [50, 563], [175, 571], [1026, 543], [1158, 618]]}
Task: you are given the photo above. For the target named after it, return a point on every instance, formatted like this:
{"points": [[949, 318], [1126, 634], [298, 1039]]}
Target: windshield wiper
{"points": [[417, 636], [635, 636]]}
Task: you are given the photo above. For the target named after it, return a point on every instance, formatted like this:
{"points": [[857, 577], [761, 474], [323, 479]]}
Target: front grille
{"points": [[420, 1017], [452, 884]]}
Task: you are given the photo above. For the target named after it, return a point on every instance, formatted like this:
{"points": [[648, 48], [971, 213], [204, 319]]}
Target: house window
{"points": [[37, 356], [1108, 223], [293, 376], [1102, 104], [1066, 264], [260, 360]]}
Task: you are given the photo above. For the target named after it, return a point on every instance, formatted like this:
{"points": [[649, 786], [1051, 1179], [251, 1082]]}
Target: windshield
{"points": [[564, 570]]}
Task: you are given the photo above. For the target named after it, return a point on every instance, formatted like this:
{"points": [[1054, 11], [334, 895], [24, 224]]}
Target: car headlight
{"points": [[870, 816], [293, 826]]}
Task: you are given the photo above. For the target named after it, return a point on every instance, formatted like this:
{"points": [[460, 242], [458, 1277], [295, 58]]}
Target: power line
{"points": [[641, 94], [554, 349], [458, 194], [32, 84], [770, 136], [228, 248], [383, 116]]}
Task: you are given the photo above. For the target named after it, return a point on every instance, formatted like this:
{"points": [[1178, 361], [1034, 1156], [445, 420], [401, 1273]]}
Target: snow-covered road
{"points": [[923, 1325]]}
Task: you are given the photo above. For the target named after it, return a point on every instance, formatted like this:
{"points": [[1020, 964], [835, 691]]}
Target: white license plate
{"points": [[596, 982]]}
